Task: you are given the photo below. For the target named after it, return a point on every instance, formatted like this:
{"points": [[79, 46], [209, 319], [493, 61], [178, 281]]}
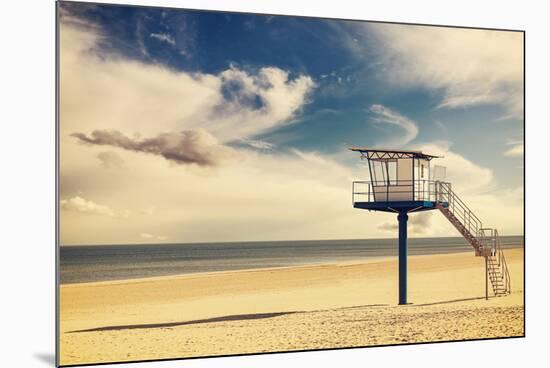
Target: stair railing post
{"points": [[368, 191], [486, 278]]}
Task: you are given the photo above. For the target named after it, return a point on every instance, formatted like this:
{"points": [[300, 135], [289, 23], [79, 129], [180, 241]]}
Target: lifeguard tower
{"points": [[402, 182]]}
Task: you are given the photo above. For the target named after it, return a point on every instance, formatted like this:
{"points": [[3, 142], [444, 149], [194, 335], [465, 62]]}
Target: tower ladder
{"points": [[485, 241]]}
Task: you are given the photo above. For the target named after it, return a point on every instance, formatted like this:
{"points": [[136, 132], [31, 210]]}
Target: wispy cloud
{"points": [[79, 204], [164, 37], [441, 125], [384, 115], [110, 160], [148, 211], [233, 104], [515, 150], [100, 91], [149, 236], [469, 67], [467, 175], [261, 145], [139, 39]]}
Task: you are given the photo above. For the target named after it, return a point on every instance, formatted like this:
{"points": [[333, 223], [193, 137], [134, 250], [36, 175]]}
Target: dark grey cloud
{"points": [[388, 226], [418, 223], [186, 147]]}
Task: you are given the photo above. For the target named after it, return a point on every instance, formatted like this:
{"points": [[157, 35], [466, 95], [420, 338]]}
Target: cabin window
{"points": [[421, 169], [379, 171], [392, 172], [404, 171]]}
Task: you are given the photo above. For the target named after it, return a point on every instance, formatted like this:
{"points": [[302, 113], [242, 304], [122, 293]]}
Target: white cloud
{"points": [[261, 145], [465, 175], [260, 195], [149, 211], [266, 196], [470, 67], [501, 208], [149, 236], [257, 102], [111, 92], [164, 37], [82, 205], [516, 149], [382, 114]]}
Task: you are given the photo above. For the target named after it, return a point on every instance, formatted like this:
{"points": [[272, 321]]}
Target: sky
{"points": [[190, 126]]}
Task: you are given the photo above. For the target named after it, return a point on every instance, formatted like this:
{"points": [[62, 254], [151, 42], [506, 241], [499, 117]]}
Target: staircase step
{"points": [[496, 268]]}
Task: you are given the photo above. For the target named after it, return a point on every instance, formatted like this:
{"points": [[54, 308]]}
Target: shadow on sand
{"points": [[237, 317], [365, 306], [449, 301], [241, 317]]}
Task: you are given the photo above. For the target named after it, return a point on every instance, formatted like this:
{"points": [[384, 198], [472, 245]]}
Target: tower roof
{"points": [[383, 153]]}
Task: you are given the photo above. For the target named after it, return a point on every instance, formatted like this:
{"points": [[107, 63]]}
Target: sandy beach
{"points": [[284, 309]]}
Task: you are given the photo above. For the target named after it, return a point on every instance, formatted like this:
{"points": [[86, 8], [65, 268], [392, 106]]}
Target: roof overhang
{"points": [[390, 154]]}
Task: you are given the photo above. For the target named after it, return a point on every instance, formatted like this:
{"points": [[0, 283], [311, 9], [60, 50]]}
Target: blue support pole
{"points": [[402, 218]]}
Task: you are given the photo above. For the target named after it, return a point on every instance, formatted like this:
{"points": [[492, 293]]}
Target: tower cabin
{"points": [[402, 182], [399, 180]]}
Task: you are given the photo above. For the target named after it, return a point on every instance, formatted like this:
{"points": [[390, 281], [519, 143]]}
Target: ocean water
{"points": [[118, 262]]}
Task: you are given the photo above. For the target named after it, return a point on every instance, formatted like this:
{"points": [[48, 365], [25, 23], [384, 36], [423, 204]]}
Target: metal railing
{"points": [[458, 208], [491, 247], [486, 241], [417, 190], [394, 190]]}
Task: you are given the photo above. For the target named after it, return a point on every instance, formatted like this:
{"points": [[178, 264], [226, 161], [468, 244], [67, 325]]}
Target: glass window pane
{"points": [[404, 171], [392, 172], [380, 171]]}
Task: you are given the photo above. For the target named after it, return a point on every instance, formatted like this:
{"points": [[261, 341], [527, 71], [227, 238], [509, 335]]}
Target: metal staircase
{"points": [[485, 241]]}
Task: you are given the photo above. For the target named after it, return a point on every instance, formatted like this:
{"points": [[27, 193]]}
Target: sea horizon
{"points": [[91, 263]]}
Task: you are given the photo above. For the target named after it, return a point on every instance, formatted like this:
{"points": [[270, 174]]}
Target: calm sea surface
{"points": [[119, 262]]}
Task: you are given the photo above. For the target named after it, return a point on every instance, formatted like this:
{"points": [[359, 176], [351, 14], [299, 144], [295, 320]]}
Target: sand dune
{"points": [[282, 309]]}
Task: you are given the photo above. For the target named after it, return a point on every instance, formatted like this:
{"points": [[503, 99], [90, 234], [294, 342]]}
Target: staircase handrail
{"points": [[464, 213], [502, 264], [485, 240]]}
